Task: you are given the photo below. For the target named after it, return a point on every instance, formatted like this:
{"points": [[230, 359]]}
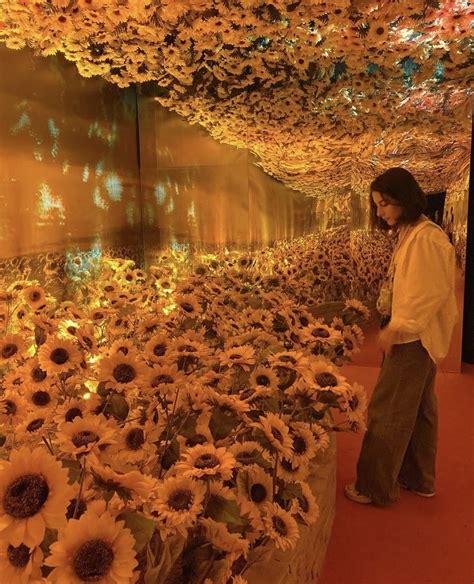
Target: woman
{"points": [[418, 306]]}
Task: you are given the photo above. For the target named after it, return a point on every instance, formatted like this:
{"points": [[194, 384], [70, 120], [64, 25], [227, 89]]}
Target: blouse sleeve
{"points": [[423, 283]]}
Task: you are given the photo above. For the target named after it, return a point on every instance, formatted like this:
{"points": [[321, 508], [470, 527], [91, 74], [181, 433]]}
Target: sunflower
{"points": [[179, 500], [157, 348], [135, 443], [34, 376], [288, 360], [277, 433], [321, 437], [34, 495], [58, 356], [20, 564], [291, 470], [189, 305], [86, 435], [280, 527], [322, 375], [91, 549], [304, 444], [255, 484], [243, 356], [73, 408], [264, 376], [34, 426], [86, 339], [217, 534], [14, 380], [13, 408], [132, 485], [41, 399], [12, 348], [206, 461], [122, 371], [356, 406], [247, 452], [162, 380], [124, 347], [305, 505]]}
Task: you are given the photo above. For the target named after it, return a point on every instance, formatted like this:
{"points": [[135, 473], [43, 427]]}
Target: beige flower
{"points": [[34, 495]]}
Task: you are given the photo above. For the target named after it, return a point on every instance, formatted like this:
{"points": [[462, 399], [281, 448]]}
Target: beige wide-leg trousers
{"points": [[401, 438]]}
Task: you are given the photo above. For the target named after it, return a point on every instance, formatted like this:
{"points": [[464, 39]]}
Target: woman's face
{"points": [[385, 210]]}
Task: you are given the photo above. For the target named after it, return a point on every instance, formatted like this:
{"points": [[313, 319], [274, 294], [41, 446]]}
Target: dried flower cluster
{"points": [[160, 426], [295, 82]]}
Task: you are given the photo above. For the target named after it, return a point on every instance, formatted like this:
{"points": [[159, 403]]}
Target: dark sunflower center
{"points": [[279, 526], [326, 379], [277, 434], [304, 503], [245, 456], [181, 500], [71, 330], [81, 508], [263, 380], [354, 402], [349, 344], [288, 359], [41, 398], [160, 379], [59, 356], [235, 356], [9, 350], [38, 374], [159, 350], [319, 332], [10, 407], [286, 464], [93, 560], [84, 438], [25, 496], [258, 493], [187, 307], [73, 413], [124, 373], [109, 288], [18, 556], [35, 296], [380, 30], [206, 461], [135, 439], [299, 445], [35, 425]]}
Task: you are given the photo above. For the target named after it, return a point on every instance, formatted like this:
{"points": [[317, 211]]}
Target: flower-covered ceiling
{"points": [[308, 86]]}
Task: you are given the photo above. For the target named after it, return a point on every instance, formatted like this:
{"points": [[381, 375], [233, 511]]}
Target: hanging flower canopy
{"points": [[305, 85]]}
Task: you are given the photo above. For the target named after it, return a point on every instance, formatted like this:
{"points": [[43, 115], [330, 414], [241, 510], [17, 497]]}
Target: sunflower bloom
{"points": [[280, 527], [34, 495], [58, 356], [179, 500], [93, 549], [206, 461], [12, 348]]}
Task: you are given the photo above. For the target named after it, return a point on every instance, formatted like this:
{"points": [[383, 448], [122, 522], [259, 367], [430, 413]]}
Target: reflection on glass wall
{"points": [[68, 161], [205, 195]]}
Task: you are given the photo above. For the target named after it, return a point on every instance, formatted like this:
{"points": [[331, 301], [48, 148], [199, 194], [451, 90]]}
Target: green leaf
{"points": [[171, 552], [73, 468], [118, 407], [227, 512], [222, 423], [291, 491], [50, 536], [141, 528], [171, 455]]}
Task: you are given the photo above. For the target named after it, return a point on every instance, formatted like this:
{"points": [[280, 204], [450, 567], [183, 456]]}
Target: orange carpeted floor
{"points": [[416, 541]]}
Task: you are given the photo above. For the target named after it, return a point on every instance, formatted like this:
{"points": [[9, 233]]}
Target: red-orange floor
{"points": [[416, 541]]}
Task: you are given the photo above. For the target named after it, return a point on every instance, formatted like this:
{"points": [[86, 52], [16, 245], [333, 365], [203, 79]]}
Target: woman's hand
{"points": [[386, 339]]}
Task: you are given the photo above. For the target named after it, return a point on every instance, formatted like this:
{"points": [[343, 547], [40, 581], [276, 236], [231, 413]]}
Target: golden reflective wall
{"points": [[68, 159], [200, 193]]}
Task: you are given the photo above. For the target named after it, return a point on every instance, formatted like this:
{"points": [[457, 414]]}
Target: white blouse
{"points": [[424, 302]]}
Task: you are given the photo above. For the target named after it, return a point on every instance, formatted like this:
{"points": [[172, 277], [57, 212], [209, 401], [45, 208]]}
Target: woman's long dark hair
{"points": [[398, 186]]}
